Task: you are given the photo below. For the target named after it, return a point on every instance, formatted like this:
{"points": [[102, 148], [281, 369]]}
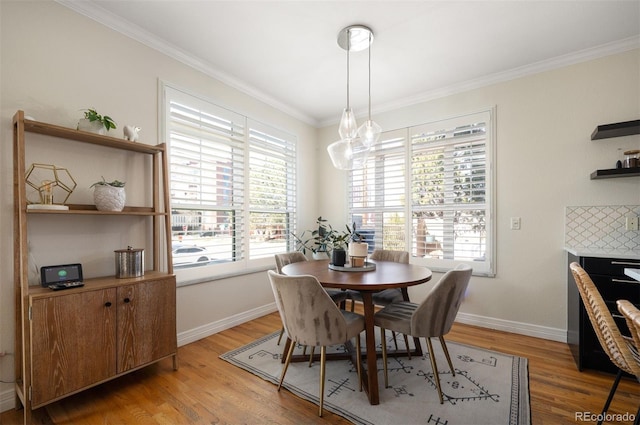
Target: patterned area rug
{"points": [[488, 387]]}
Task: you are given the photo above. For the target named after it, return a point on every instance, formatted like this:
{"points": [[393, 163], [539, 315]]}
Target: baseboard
{"points": [[209, 329], [544, 332], [7, 400], [521, 328]]}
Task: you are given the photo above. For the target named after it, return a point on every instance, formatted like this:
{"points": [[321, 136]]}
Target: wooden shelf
{"points": [[618, 129], [127, 323], [91, 210], [86, 137], [615, 172]]}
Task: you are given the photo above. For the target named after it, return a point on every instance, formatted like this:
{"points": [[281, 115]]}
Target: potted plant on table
{"points": [[93, 122], [109, 196], [325, 242]]}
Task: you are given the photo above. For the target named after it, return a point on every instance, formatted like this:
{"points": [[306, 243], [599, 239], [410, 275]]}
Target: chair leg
{"points": [[359, 361], [395, 342], [446, 354], [406, 344], [323, 359], [384, 357], [614, 387], [280, 336], [432, 357], [313, 350], [286, 363]]}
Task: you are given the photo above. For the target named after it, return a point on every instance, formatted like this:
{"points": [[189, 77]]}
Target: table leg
{"points": [[370, 378]]}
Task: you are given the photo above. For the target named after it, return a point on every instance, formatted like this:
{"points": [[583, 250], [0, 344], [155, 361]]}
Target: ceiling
{"points": [[285, 53]]}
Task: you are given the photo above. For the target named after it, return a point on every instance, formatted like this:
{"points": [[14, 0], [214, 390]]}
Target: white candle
{"points": [[358, 249]]}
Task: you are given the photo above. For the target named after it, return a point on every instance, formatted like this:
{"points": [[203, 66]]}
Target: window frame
{"points": [[246, 265], [487, 267]]}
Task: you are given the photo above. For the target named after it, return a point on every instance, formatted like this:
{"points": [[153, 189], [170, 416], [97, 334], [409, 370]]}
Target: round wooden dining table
{"points": [[387, 275]]}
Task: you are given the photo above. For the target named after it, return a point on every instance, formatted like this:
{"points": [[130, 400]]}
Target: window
{"points": [[233, 187], [428, 190]]}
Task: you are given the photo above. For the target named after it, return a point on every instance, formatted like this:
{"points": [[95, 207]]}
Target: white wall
{"points": [[56, 62], [544, 159]]}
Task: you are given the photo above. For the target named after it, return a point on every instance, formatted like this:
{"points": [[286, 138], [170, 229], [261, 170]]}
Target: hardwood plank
{"points": [[208, 390]]}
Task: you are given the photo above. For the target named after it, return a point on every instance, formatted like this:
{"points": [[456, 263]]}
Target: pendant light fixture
{"points": [[352, 150], [370, 131]]}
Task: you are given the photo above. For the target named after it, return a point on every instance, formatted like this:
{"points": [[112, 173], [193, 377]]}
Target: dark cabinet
{"points": [[608, 276]]}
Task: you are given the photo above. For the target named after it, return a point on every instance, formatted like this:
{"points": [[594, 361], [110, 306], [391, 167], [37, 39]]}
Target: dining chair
{"points": [[282, 260], [619, 349], [433, 317], [631, 314], [387, 296], [311, 318]]}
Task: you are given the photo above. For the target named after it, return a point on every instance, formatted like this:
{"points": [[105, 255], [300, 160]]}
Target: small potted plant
{"points": [[325, 242], [109, 196], [95, 123]]}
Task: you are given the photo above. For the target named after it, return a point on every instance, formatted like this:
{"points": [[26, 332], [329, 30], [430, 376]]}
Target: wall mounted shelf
{"points": [[615, 172], [618, 129]]}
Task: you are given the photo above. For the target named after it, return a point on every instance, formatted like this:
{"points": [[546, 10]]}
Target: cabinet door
{"points": [[146, 322], [73, 342]]}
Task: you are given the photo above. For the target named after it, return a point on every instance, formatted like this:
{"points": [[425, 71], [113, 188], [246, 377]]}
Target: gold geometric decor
{"points": [[51, 186]]}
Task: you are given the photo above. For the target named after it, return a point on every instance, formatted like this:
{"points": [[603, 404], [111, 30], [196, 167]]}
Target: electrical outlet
{"points": [[631, 223], [515, 223]]}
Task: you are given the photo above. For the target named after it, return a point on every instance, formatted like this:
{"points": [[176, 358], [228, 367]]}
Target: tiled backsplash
{"points": [[601, 227]]}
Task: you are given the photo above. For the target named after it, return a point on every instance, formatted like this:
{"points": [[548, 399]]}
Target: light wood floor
{"points": [[207, 390]]}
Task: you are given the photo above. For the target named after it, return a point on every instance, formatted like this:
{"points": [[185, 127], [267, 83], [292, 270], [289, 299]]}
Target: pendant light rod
{"points": [[348, 49], [370, 42]]}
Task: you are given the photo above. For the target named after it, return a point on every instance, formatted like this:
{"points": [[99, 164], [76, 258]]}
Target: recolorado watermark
{"points": [[607, 417]]}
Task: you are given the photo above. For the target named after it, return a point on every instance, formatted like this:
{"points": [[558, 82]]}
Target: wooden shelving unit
{"points": [[67, 341]]}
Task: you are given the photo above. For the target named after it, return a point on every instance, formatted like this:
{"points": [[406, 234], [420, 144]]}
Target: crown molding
{"points": [[585, 55], [117, 23]]}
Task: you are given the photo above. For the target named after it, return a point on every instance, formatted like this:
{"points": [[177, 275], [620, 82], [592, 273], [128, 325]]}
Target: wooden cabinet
{"points": [[608, 276], [70, 340], [74, 343], [146, 328]]}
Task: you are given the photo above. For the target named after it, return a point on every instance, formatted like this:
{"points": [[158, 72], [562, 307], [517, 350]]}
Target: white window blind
{"points": [[441, 210], [377, 194], [233, 187], [272, 206]]}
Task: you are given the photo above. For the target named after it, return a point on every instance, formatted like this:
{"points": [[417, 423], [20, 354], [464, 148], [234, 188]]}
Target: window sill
{"points": [[221, 276]]}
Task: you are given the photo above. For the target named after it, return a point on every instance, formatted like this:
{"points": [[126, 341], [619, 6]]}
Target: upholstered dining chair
{"points": [[620, 350], [387, 296], [433, 317], [631, 314], [282, 260], [311, 318]]}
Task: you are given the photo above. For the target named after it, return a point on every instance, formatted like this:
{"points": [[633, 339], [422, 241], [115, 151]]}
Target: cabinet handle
{"points": [[625, 263], [107, 304], [624, 281], [126, 300]]}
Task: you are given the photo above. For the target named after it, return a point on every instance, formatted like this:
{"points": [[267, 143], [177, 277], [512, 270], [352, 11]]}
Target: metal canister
{"points": [[129, 262]]}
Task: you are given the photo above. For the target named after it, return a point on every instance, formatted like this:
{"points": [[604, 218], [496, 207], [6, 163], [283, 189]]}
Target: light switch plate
{"points": [[631, 223], [515, 223]]}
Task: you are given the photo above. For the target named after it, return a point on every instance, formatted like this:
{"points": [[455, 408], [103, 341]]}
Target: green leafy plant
{"points": [[115, 183], [106, 120], [324, 238]]}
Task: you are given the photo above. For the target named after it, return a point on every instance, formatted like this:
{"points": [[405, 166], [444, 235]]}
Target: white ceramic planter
{"points": [[91, 126], [109, 198]]}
